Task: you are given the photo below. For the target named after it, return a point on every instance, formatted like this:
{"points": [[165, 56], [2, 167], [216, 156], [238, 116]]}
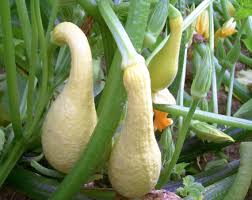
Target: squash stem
{"points": [[230, 91], [25, 25], [10, 67], [182, 83], [165, 174], [206, 116], [53, 16], [211, 45], [124, 44], [33, 62]]}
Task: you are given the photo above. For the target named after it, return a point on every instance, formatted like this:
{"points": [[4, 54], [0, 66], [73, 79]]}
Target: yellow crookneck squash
{"points": [[163, 66], [135, 161], [72, 116]]}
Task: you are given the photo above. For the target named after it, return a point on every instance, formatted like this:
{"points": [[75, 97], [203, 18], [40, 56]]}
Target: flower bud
{"points": [[203, 78], [209, 133]]}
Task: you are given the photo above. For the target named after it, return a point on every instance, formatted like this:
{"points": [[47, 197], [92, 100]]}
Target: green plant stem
{"points": [[211, 45], [182, 84], [10, 68], [43, 46], [246, 60], [224, 9], [123, 42], [53, 16], [206, 116], [33, 62], [220, 77], [230, 91], [43, 94], [25, 25], [108, 44], [165, 174], [109, 113]]}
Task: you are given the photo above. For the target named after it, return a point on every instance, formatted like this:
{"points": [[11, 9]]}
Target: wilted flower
{"points": [[227, 29], [161, 121], [202, 24]]}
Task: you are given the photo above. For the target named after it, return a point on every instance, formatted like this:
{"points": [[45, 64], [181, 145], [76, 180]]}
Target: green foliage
{"points": [[244, 10], [179, 171], [248, 34], [191, 188], [245, 111]]}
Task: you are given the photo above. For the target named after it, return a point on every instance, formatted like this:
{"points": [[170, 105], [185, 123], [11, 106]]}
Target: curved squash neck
{"points": [[175, 35], [139, 99], [81, 74]]}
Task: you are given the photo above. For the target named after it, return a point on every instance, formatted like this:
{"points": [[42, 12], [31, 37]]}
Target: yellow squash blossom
{"points": [[202, 24], [161, 121], [227, 29]]}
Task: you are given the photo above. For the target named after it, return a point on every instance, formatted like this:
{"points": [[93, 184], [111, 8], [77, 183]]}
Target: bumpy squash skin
{"points": [[135, 161], [164, 66], [72, 117]]}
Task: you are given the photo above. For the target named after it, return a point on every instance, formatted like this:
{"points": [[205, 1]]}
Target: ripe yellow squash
{"points": [[72, 116], [135, 161]]}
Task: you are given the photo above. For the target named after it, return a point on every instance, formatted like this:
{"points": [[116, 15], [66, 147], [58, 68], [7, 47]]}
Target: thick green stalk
{"points": [[40, 188], [206, 116], [165, 174], [230, 91], [108, 44], [25, 25], [51, 47], [10, 67], [123, 42], [182, 83], [53, 16], [211, 45], [33, 62], [110, 113]]}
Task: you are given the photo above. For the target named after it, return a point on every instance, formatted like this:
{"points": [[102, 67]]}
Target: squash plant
{"points": [[56, 124]]}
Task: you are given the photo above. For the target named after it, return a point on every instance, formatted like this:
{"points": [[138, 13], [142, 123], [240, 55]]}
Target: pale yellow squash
{"points": [[135, 161], [72, 117]]}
